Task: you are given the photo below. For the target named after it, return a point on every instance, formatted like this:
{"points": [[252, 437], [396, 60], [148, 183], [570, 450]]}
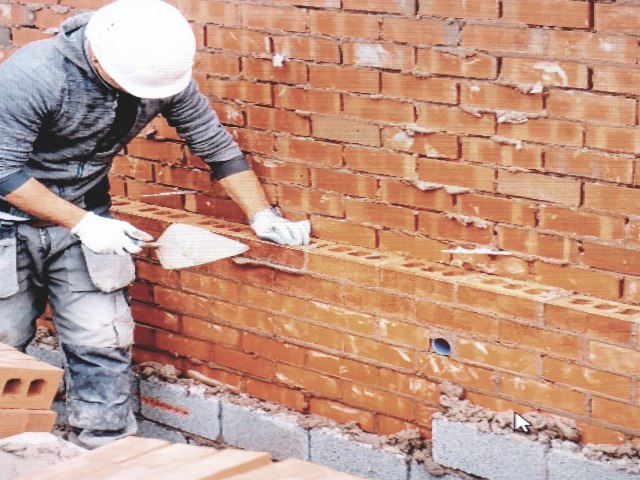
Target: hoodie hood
{"points": [[70, 41]]}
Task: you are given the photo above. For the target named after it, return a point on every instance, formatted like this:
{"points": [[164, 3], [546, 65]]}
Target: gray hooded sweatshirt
{"points": [[58, 120]]}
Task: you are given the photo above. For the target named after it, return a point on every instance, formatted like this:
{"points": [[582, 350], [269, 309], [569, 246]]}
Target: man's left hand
{"points": [[270, 225]]}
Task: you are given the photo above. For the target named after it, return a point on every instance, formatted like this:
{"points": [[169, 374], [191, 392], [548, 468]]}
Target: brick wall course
{"points": [[401, 129]]}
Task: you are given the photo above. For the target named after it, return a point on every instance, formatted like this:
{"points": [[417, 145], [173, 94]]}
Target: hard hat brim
{"points": [[151, 92]]}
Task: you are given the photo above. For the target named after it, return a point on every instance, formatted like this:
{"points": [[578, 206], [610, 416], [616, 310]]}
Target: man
{"points": [[67, 106]]}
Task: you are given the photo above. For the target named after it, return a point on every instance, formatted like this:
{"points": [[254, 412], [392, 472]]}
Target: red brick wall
{"points": [[410, 127]]}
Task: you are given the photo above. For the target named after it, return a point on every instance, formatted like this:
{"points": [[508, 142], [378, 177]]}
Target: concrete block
{"points": [[150, 429], [60, 408], [46, 354], [418, 472], [332, 448], [181, 407], [254, 429], [565, 465], [489, 455]]}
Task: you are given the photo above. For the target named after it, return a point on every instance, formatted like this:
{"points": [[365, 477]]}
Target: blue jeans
{"points": [[87, 293]]}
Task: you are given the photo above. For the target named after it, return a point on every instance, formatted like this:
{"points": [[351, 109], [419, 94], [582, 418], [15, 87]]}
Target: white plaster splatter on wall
{"points": [[5, 11], [607, 46], [404, 139], [552, 69], [278, 60], [371, 55], [232, 113], [475, 88]]}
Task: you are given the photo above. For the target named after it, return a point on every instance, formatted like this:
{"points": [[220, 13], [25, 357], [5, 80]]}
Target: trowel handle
{"points": [[146, 244]]}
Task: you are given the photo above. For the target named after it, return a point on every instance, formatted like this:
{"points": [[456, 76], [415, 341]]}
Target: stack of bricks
{"points": [[27, 389], [404, 129], [135, 458]]}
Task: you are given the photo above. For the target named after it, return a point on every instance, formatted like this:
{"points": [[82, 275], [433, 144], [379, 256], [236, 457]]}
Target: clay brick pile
{"points": [[404, 129], [135, 458], [27, 388]]}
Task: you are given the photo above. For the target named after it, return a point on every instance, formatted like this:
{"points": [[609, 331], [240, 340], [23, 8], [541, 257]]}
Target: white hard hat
{"points": [[146, 46]]}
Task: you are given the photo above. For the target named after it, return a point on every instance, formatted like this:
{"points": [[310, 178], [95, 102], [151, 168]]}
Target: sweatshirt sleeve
{"points": [[27, 96], [189, 112]]}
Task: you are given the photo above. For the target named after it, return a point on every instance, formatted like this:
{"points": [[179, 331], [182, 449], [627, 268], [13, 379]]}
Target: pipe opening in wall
{"points": [[441, 346]]}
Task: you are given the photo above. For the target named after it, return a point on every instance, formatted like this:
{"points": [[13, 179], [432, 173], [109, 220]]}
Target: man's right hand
{"points": [[107, 235]]}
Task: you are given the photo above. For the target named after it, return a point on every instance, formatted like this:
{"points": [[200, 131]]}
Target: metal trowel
{"points": [[183, 246]]}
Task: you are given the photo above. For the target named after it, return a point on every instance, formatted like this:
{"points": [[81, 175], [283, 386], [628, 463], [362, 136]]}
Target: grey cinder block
{"points": [[181, 407], [565, 465], [149, 429], [417, 471], [492, 456], [332, 448], [254, 429]]}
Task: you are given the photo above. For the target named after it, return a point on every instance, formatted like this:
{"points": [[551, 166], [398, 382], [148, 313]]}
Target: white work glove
{"points": [[270, 225], [107, 235]]}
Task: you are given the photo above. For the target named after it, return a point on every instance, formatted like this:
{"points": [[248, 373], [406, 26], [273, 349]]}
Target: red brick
{"points": [[342, 413], [543, 130], [585, 107], [457, 174], [310, 333], [23, 36], [263, 69], [485, 9], [177, 344], [17, 15], [581, 223], [455, 120], [413, 246], [155, 317], [541, 340], [289, 19], [244, 90], [344, 182], [254, 140], [303, 99], [443, 227], [344, 78], [389, 426], [455, 371], [342, 24], [311, 151], [378, 110], [499, 97], [342, 231], [288, 397], [403, 332], [307, 48], [433, 144], [379, 161], [592, 46], [615, 412], [612, 198], [229, 114], [154, 150], [591, 164], [401, 193], [309, 201], [557, 13], [382, 6], [561, 74], [379, 401], [459, 320], [439, 90], [505, 39], [182, 177], [132, 167], [617, 18], [272, 349], [217, 64], [238, 40], [461, 63], [573, 319], [414, 32], [497, 209], [48, 19], [410, 385], [243, 362], [545, 394], [496, 355], [210, 286], [338, 128], [380, 55], [342, 367], [310, 381], [613, 357], [154, 273], [311, 3], [182, 302], [212, 332], [278, 120], [587, 378], [282, 171], [136, 190], [494, 153], [380, 214], [207, 11], [534, 243], [599, 435], [539, 187], [616, 139]]}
